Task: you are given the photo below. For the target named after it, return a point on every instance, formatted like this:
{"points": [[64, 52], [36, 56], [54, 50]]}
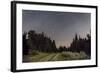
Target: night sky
{"points": [[59, 26]]}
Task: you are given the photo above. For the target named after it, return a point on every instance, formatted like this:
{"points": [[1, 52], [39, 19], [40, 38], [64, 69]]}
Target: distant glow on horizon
{"points": [[59, 26]]}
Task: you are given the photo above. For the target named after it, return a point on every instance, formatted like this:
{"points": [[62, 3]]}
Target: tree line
{"points": [[81, 44], [40, 42]]}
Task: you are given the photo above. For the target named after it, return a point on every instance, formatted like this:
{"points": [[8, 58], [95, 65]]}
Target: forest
{"points": [[38, 47]]}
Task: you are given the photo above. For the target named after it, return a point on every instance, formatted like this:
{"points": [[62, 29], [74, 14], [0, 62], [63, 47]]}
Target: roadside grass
{"points": [[62, 56]]}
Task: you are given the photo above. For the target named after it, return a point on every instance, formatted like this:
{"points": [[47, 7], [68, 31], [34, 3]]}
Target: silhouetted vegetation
{"points": [[33, 43], [81, 44], [25, 45], [39, 42]]}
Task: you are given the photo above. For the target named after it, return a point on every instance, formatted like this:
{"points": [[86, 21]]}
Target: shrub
{"points": [[33, 52], [74, 55]]}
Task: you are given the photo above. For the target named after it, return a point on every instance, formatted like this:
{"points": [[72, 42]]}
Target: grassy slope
{"points": [[41, 57]]}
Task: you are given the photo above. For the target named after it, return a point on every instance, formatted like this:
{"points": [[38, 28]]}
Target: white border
{"points": [[21, 65]]}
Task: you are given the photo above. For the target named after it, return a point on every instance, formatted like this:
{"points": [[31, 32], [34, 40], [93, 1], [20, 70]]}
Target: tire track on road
{"points": [[48, 58], [55, 58]]}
